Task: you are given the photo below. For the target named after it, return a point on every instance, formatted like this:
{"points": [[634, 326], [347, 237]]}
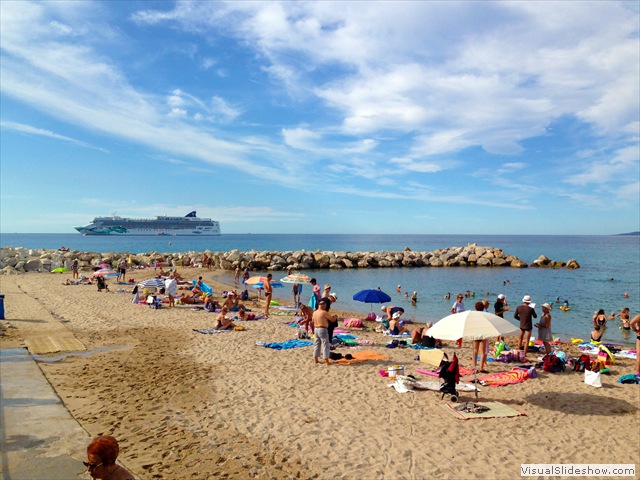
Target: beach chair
{"points": [[450, 375]]}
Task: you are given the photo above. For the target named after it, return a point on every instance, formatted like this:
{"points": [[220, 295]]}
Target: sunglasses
{"points": [[91, 466]]}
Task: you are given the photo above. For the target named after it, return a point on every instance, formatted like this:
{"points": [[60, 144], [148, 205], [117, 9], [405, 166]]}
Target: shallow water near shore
{"points": [[610, 266]]}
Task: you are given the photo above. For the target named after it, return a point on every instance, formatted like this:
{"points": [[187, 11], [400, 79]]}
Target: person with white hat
{"points": [[525, 313], [544, 328]]}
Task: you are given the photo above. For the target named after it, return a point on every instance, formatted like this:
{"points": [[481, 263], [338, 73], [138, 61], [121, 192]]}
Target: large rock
{"points": [[572, 264]]}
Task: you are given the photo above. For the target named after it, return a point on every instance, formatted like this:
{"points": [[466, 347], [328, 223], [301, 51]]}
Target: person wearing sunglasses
{"points": [[102, 453]]}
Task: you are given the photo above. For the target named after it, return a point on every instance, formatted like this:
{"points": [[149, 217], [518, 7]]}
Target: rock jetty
{"points": [[20, 260]]}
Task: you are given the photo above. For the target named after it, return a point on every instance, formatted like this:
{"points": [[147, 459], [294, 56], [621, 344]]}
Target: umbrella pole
{"points": [[475, 383]]}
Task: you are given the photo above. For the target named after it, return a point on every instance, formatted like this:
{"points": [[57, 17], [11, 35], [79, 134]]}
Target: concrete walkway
{"points": [[39, 438]]}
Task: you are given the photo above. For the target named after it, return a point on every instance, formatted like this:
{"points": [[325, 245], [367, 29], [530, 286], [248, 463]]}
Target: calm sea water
{"points": [[610, 266]]}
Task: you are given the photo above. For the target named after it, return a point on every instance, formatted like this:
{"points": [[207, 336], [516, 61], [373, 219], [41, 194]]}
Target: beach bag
{"points": [[239, 328], [583, 363], [371, 317], [593, 378], [244, 295], [353, 323], [552, 364], [302, 333]]}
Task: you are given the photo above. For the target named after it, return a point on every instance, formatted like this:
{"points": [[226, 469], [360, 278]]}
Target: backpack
{"points": [[551, 363], [583, 363], [371, 317], [244, 295]]}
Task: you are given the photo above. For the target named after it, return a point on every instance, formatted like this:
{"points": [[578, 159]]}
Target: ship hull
{"points": [[187, 226]]}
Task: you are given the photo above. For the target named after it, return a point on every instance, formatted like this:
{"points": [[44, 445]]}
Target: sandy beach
{"points": [[190, 405]]}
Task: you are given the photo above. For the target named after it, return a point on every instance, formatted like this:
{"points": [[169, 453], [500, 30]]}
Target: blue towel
{"points": [[288, 345]]}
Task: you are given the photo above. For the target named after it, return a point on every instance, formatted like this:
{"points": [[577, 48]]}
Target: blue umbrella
{"points": [[372, 296]]}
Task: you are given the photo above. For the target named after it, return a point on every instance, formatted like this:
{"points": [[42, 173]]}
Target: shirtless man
{"points": [[525, 313], [222, 321]]}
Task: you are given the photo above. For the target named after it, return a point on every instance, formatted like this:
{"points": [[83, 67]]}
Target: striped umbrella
{"points": [[105, 272], [298, 278], [152, 282]]}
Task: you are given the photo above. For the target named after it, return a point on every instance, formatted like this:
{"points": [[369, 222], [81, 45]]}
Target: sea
{"points": [[608, 277]]}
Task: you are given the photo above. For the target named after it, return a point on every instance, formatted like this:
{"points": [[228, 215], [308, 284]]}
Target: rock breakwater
{"points": [[21, 260]]}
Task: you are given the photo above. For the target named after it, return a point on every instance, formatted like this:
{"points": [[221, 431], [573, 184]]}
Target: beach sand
{"points": [[189, 405]]}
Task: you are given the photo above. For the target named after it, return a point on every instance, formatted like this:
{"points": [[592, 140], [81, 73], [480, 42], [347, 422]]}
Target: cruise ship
{"points": [[189, 225]]}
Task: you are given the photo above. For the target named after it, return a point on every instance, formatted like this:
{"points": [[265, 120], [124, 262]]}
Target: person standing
{"points": [[524, 313], [171, 289], [122, 270], [500, 306], [635, 326], [480, 346], [315, 295], [333, 323], [74, 268], [458, 307], [268, 292], [544, 328], [321, 319]]}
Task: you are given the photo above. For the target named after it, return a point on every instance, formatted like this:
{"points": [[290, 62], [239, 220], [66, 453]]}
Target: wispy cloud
{"points": [[30, 130]]}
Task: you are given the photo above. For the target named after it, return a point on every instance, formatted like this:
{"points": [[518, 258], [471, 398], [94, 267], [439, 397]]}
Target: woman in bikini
{"points": [[600, 318], [625, 318]]}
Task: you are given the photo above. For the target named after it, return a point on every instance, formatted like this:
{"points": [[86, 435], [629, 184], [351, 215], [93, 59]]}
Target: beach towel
{"points": [[288, 345], [500, 379], [209, 331], [405, 384], [363, 356], [494, 410]]}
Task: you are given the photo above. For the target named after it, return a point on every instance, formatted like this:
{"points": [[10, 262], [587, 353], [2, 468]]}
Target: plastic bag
{"points": [[593, 378]]}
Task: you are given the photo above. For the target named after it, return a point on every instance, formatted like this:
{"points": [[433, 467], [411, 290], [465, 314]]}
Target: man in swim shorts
{"points": [[525, 314]]}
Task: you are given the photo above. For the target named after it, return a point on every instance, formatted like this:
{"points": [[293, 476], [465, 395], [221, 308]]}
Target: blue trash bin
{"points": [[1, 306]]}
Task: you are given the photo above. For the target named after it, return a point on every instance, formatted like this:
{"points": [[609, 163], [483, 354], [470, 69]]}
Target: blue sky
{"points": [[323, 117]]}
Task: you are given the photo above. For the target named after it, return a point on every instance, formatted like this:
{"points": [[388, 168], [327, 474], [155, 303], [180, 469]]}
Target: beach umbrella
{"points": [[59, 270], [254, 280], [105, 272], [298, 278], [472, 325], [273, 284], [152, 282], [372, 296]]}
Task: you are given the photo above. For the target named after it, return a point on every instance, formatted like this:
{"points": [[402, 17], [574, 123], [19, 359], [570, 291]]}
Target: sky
{"points": [[322, 117]]}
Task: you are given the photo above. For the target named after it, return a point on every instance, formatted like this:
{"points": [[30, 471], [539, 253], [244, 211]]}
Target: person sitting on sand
{"points": [[231, 302], [242, 313], [102, 284], [600, 318], [596, 334], [102, 453], [394, 325], [222, 321], [197, 288], [210, 304], [421, 336]]}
